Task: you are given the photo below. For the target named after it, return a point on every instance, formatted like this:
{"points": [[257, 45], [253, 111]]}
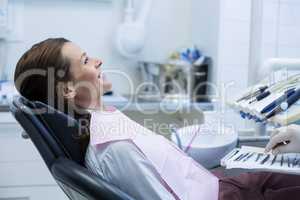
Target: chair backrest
{"points": [[65, 131], [56, 141], [46, 125]]}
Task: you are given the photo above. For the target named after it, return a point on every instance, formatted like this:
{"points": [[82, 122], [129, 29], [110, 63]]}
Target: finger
{"points": [[282, 149], [273, 133], [277, 139], [278, 130], [283, 129]]}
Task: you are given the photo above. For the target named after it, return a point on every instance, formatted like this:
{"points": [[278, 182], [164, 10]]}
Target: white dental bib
{"points": [[185, 177]]}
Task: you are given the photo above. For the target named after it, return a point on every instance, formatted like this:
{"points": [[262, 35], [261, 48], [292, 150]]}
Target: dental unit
{"points": [[271, 100]]}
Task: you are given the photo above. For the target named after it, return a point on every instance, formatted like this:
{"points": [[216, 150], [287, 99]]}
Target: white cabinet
{"points": [[23, 174]]}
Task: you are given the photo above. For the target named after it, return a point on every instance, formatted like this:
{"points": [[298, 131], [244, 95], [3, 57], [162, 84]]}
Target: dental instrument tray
{"points": [[254, 158], [275, 102]]}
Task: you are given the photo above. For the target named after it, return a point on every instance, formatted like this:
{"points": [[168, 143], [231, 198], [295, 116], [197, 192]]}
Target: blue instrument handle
{"points": [[278, 101]]}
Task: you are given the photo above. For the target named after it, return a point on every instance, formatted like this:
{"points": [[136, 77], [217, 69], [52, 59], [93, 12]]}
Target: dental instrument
{"points": [[284, 84], [239, 157], [174, 130], [278, 101], [192, 140], [236, 152], [260, 97], [244, 156], [281, 143], [253, 94], [258, 156], [285, 105], [248, 157], [296, 161], [266, 162], [274, 160], [282, 160], [265, 159]]}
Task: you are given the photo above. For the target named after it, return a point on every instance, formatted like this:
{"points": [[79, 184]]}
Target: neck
{"points": [[95, 104]]}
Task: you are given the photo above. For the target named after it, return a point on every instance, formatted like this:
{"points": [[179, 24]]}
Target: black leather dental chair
{"points": [[55, 141]]}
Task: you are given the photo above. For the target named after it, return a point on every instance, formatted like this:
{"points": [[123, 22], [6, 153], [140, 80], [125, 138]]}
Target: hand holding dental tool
{"points": [[285, 140]]}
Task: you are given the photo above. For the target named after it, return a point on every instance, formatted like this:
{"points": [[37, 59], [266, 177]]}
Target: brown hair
{"points": [[40, 70]]}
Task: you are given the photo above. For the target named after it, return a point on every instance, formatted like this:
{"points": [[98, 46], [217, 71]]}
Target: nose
{"points": [[98, 63]]}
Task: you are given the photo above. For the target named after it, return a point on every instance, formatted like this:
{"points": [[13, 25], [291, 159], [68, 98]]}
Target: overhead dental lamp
{"points": [[131, 34]]}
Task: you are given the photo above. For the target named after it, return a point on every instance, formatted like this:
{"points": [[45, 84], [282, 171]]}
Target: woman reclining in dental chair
{"points": [[142, 164]]}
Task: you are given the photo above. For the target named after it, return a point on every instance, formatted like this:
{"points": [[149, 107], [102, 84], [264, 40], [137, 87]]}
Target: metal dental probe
{"points": [[253, 94], [236, 152], [243, 156], [260, 97], [265, 159], [239, 157], [296, 162], [248, 157], [258, 156], [274, 160], [282, 160]]}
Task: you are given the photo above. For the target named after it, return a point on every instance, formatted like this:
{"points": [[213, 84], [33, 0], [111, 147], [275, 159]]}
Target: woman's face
{"points": [[85, 73]]}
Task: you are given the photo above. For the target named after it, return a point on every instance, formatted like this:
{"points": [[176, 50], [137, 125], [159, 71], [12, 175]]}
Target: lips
{"points": [[102, 76]]}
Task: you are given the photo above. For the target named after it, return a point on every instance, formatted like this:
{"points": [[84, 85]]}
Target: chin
{"points": [[106, 86]]}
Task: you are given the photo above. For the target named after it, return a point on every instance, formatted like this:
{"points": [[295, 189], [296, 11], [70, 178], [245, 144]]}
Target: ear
{"points": [[67, 90]]}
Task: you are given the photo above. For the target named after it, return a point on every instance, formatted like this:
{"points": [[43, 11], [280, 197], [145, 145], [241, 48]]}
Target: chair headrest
{"points": [[63, 128]]}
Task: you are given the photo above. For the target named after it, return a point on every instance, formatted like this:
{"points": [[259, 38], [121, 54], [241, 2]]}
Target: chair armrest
{"points": [[81, 180]]}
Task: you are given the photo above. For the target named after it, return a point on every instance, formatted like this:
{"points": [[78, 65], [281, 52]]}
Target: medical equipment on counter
{"points": [[174, 81], [255, 158], [131, 34]]}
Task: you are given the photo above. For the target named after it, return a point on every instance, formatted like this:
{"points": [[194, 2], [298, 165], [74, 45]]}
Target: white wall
{"points": [[205, 29], [281, 34], [221, 28], [234, 43], [233, 53], [92, 25]]}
